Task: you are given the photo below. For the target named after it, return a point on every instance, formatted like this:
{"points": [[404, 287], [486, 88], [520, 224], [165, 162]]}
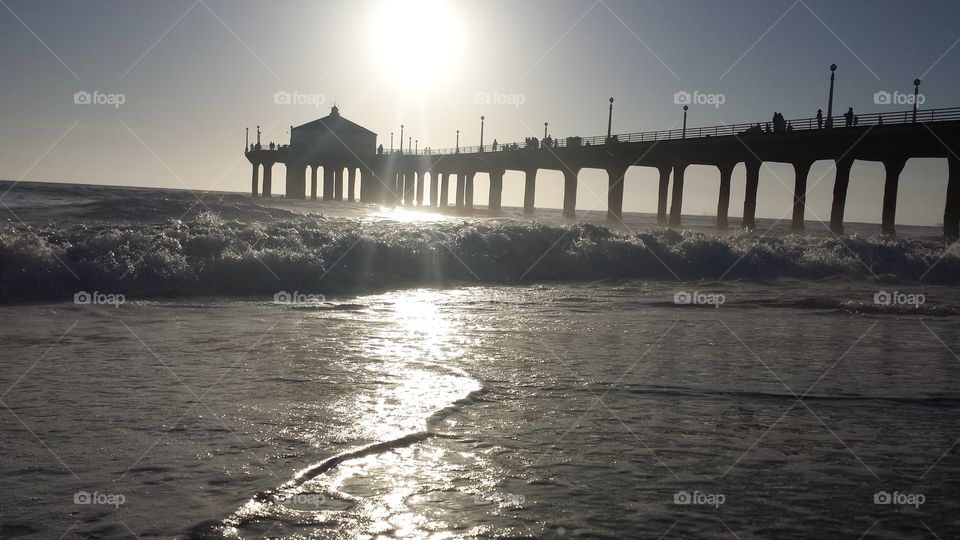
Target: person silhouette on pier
{"points": [[380, 150], [495, 145], [848, 117], [819, 118]]}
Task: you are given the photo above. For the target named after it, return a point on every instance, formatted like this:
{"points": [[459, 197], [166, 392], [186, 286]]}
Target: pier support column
{"points": [[676, 203], [327, 183], [662, 195], [267, 179], [365, 179], [255, 181], [496, 191], [397, 179], [529, 191], [295, 181], [723, 199], [409, 187], [313, 183], [892, 168], [434, 188], [951, 213], [421, 176], [468, 191], [750, 195], [615, 176], [338, 183], [444, 191], [801, 170], [461, 183], [352, 184], [840, 185], [569, 193]]}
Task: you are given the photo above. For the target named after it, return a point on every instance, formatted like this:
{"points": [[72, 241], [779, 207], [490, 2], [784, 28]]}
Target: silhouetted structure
{"points": [[399, 178]]}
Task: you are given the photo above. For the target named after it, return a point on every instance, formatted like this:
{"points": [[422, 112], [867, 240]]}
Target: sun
{"points": [[417, 43]]}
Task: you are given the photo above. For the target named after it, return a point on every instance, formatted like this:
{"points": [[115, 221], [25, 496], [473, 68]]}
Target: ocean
{"points": [[205, 365]]}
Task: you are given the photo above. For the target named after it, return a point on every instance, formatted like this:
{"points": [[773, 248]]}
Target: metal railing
{"points": [[753, 128]]}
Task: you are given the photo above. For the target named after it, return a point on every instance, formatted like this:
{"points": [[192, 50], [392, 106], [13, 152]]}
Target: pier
{"points": [[353, 168]]}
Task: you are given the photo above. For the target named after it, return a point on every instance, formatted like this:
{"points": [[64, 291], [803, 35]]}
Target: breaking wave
{"points": [[209, 255]]}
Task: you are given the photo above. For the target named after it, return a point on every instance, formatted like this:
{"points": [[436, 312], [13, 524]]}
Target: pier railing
{"points": [[752, 128]]}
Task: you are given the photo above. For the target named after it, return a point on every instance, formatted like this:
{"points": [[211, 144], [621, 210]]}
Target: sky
{"points": [[173, 84]]}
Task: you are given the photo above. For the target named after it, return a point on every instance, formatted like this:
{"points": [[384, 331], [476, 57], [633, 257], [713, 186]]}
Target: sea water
{"points": [[179, 364]]}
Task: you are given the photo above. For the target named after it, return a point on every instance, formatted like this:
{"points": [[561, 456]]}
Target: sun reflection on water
{"points": [[407, 483]]}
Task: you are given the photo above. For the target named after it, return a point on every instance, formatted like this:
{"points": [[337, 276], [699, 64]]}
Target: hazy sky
{"points": [[179, 80]]}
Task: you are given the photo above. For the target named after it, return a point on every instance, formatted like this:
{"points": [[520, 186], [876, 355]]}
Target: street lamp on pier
{"points": [[916, 95], [833, 70]]}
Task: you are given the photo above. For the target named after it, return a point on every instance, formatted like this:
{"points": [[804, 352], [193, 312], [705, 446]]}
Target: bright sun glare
{"points": [[417, 42]]}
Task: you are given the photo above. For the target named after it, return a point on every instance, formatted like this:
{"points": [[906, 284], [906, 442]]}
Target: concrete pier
{"points": [[892, 169], [840, 185], [676, 202], [399, 177], [615, 178], [750, 195], [662, 194], [529, 190], [801, 169], [569, 193]]}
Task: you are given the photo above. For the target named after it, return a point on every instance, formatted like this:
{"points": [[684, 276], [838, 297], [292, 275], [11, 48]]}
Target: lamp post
{"points": [[916, 94], [246, 144], [545, 124], [258, 138], [610, 121], [401, 138], [409, 143], [685, 107], [416, 146], [482, 118], [458, 141], [833, 70], [391, 142]]}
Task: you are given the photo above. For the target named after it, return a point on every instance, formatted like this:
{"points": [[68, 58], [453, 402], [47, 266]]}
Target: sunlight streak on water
{"points": [[383, 488]]}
